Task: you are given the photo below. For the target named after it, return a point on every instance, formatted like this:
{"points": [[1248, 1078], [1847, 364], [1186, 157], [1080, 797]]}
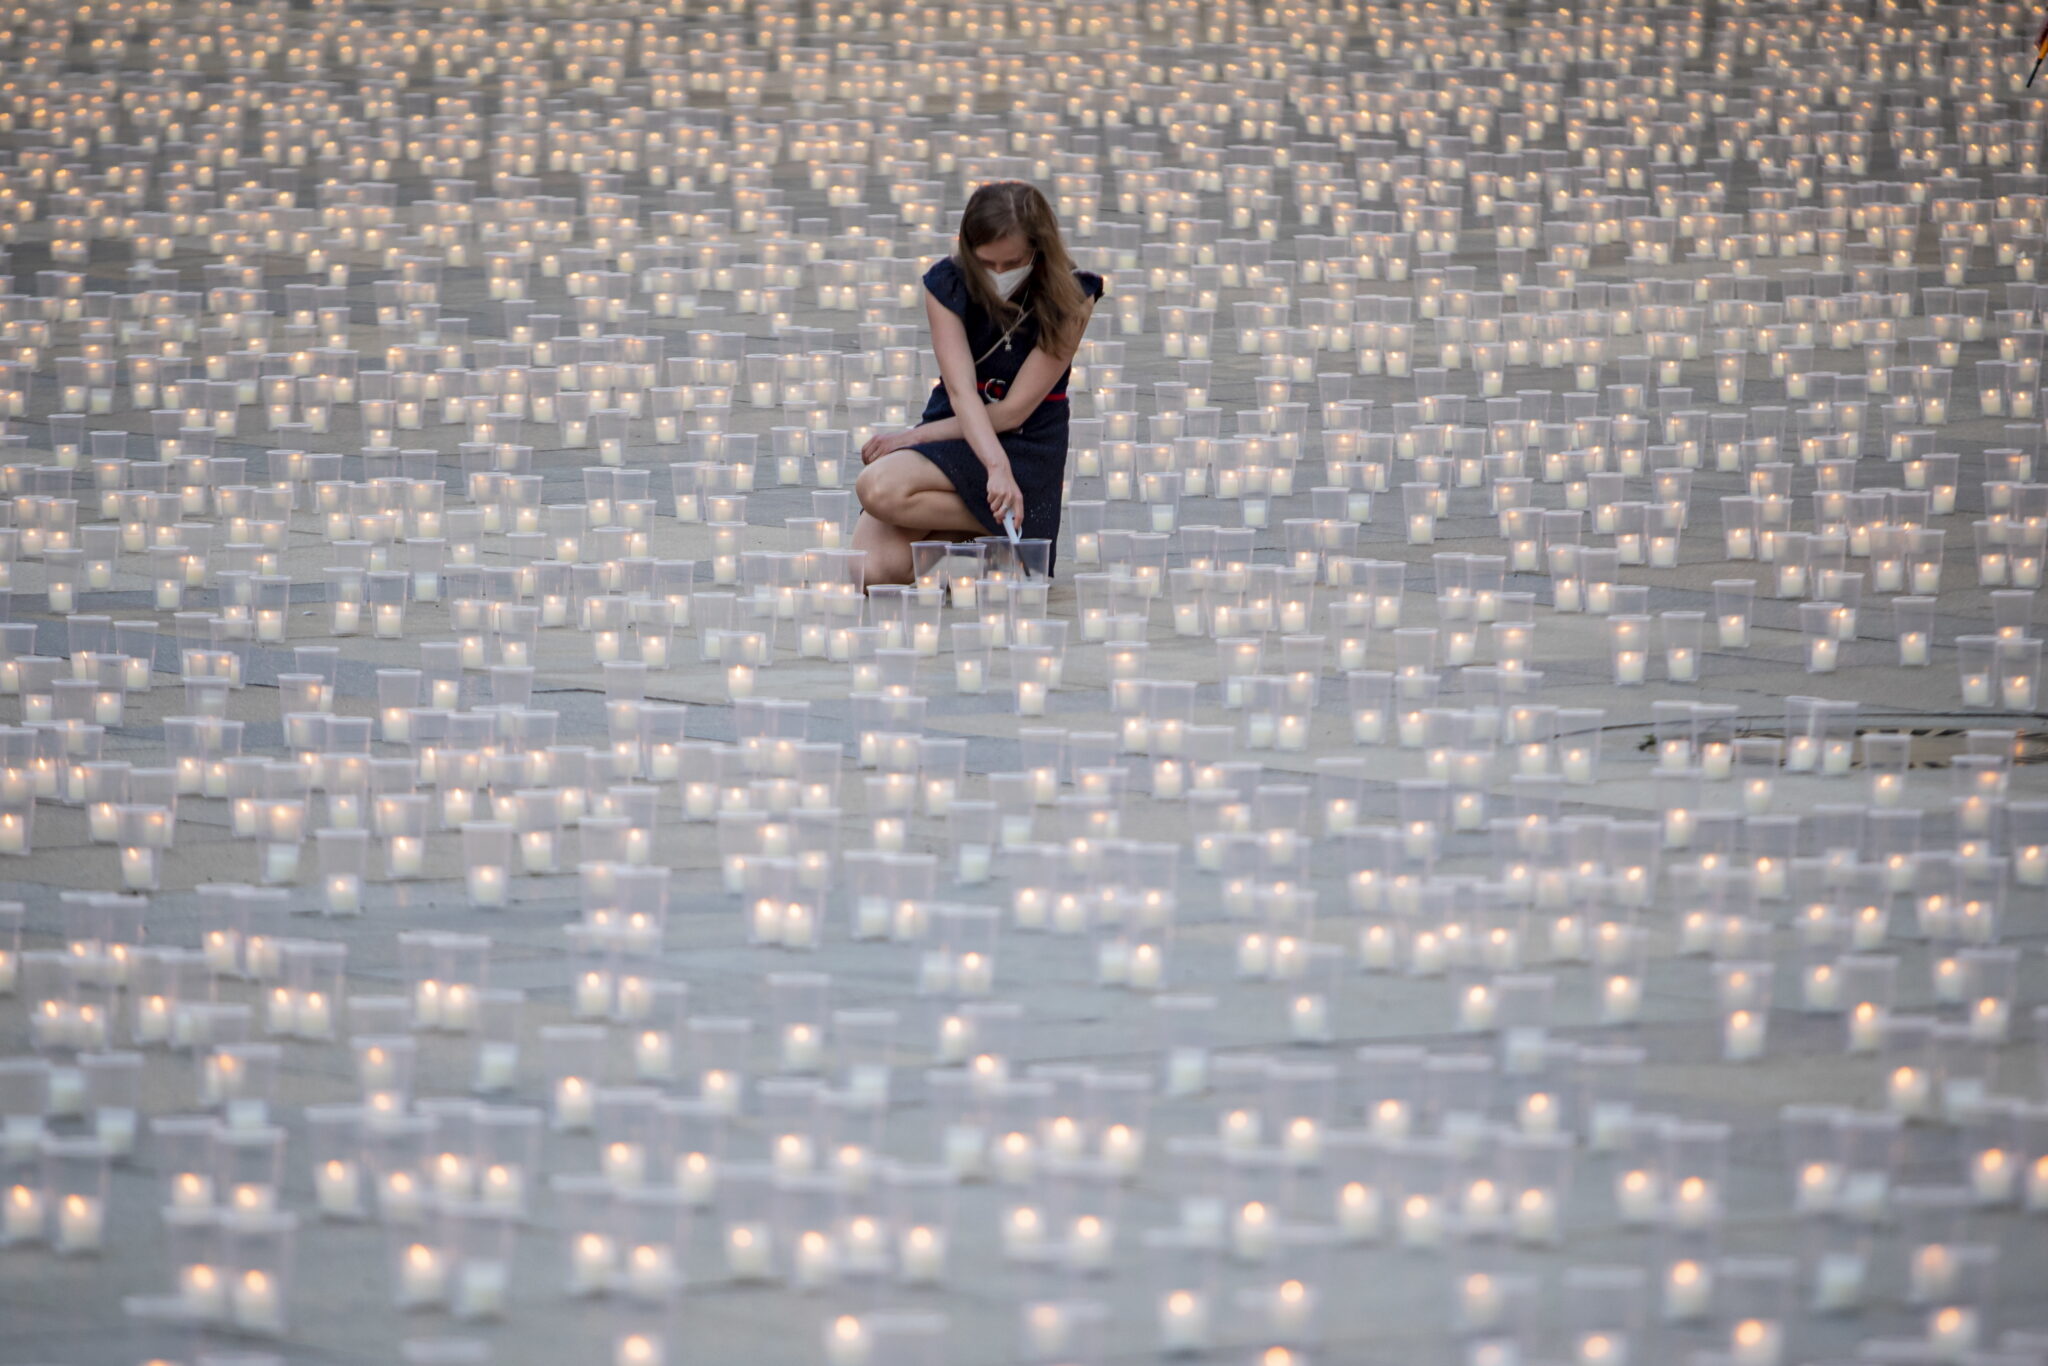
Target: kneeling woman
{"points": [[1007, 311]]}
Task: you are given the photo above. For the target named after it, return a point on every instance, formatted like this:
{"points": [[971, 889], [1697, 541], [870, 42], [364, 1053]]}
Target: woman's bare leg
{"points": [[887, 549], [907, 490], [904, 498]]}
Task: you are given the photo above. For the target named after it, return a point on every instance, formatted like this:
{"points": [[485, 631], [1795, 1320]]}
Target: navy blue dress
{"points": [[1038, 448]]}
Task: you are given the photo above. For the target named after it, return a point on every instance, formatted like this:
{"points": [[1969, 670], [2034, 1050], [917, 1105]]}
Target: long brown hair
{"points": [[1052, 293]]}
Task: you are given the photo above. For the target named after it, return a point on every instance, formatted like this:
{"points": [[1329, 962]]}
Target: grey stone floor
{"points": [[1381, 1304]]}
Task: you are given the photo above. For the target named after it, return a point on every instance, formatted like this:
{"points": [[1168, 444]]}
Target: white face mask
{"points": [[1008, 282]]}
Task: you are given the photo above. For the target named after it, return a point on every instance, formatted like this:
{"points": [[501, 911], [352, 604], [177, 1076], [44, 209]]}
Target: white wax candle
{"points": [[624, 1165], [2030, 866], [1820, 988], [496, 1065], [1909, 1092], [1609, 1123], [1990, 1020], [793, 1155], [1422, 1223], [1993, 1175], [257, 1307], [1866, 1027], [422, 1277], [537, 851], [1427, 955], [81, 1224], [848, 1342], [1695, 1204], [921, 1255], [1477, 1009], [1688, 1286], [639, 1349], [1756, 1342], [802, 1048], [408, 856], [480, 1289], [1742, 1036], [575, 1103], [1023, 1232], [1308, 1019], [1638, 1196], [338, 1188], [1838, 1282], [1252, 1232], [816, 1261]]}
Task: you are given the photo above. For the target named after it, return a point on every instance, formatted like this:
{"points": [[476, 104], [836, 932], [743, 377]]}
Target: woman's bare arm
{"points": [[1041, 370], [956, 370]]}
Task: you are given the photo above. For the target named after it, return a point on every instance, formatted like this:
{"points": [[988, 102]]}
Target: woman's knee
{"points": [[881, 491]]}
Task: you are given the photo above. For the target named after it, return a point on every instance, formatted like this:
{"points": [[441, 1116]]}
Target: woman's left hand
{"points": [[883, 443], [1005, 499]]}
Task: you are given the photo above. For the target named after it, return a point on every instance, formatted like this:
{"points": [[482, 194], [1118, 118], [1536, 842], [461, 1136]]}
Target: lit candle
{"points": [[1535, 1217], [848, 1342], [921, 1255], [1909, 1092], [1309, 1019], [408, 856], [1637, 1194], [338, 1189], [1477, 1009], [1990, 1020], [537, 851], [1479, 1302], [1252, 1232], [1695, 1204], [1089, 1243], [793, 1155], [1742, 1036], [422, 1277], [1023, 1233], [257, 1308], [81, 1224], [1422, 1223], [1756, 1342], [486, 885], [1952, 1332], [21, 1214], [574, 1103], [1600, 1349], [802, 1048]]}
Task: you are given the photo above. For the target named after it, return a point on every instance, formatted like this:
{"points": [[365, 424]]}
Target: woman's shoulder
{"points": [[944, 282], [1091, 283]]}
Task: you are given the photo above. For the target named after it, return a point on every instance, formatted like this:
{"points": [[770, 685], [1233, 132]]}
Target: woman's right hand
{"points": [[884, 443]]}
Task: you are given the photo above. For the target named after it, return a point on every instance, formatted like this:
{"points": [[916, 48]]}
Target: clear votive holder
{"points": [[1755, 1301], [1604, 1311], [1734, 604], [1822, 644], [256, 1253]]}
